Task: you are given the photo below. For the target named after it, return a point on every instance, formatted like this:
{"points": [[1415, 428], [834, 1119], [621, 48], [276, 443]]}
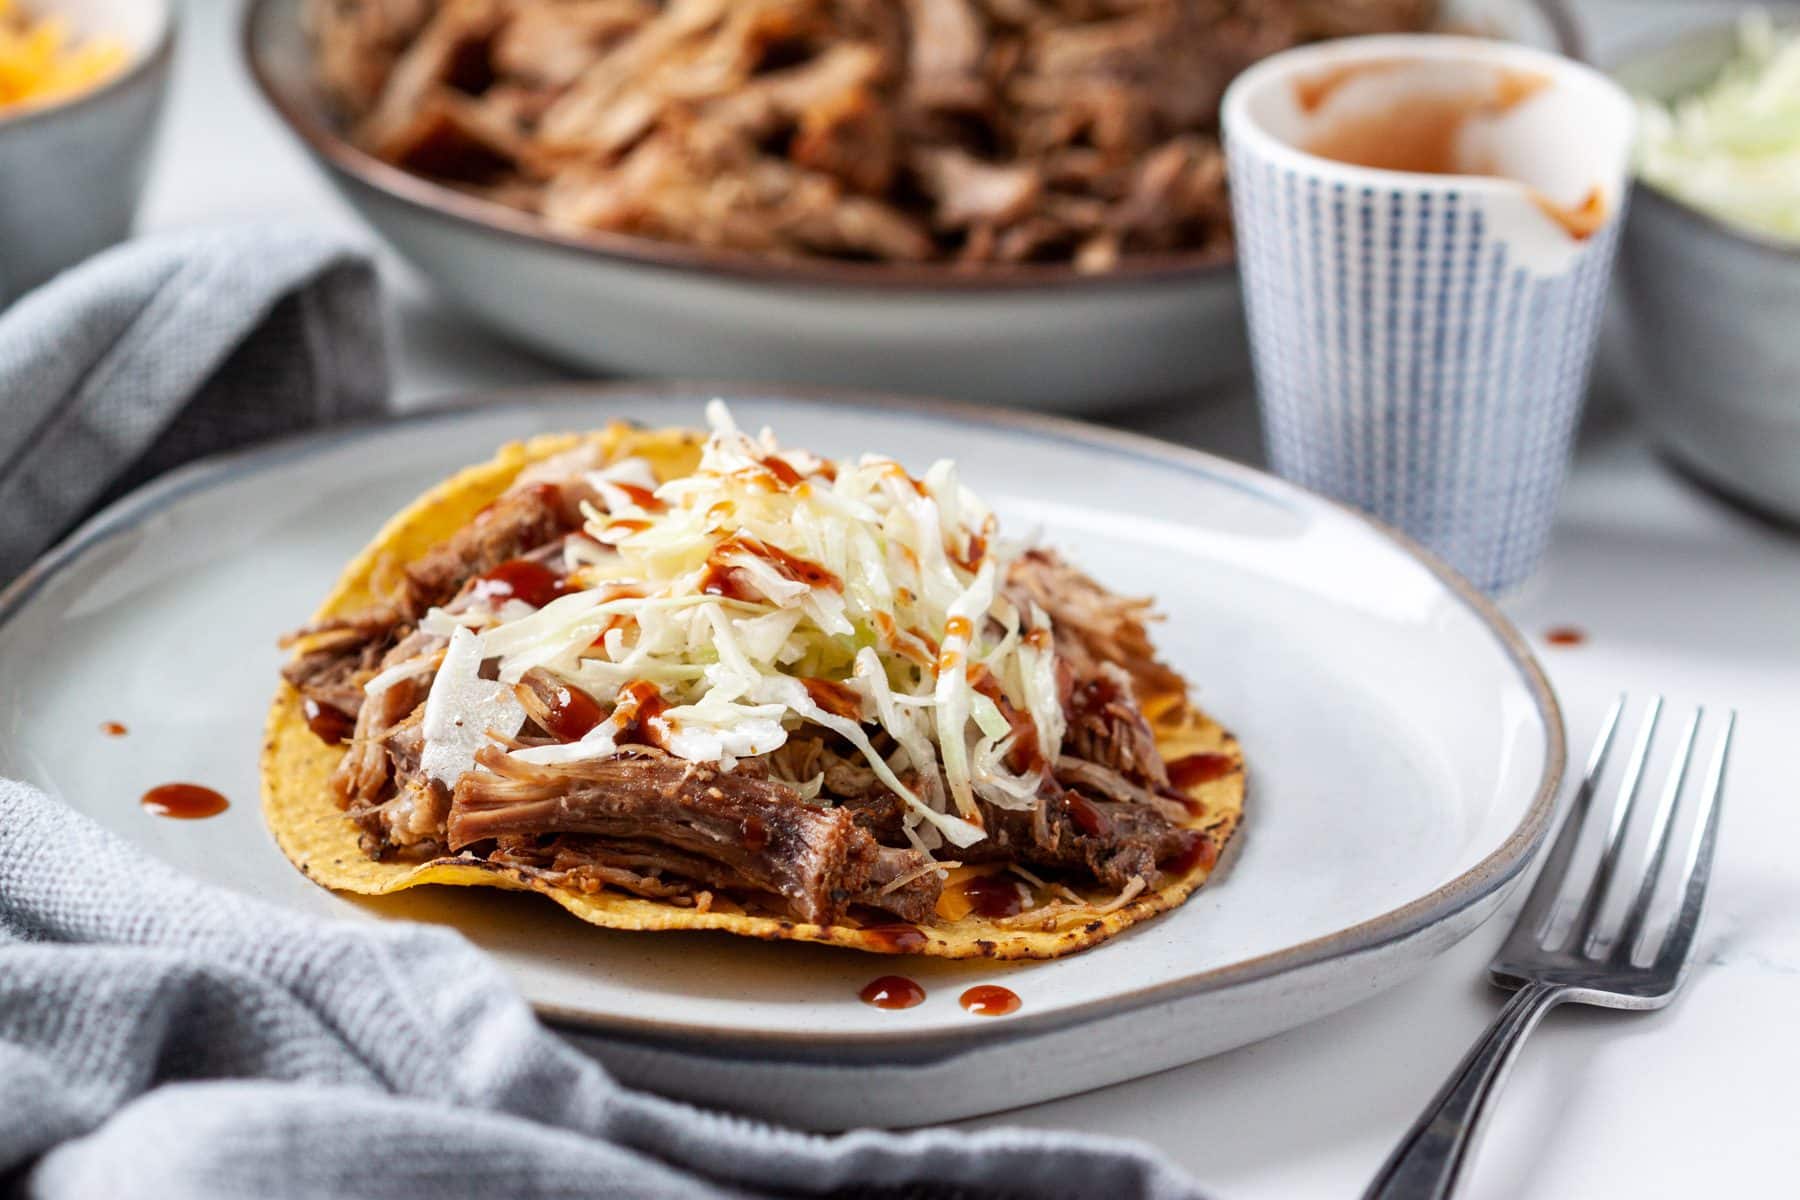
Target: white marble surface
{"points": [[1678, 591]]}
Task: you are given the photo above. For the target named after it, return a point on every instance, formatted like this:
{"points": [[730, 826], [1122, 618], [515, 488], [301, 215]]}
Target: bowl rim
{"points": [[1753, 239], [422, 195], [152, 58]]}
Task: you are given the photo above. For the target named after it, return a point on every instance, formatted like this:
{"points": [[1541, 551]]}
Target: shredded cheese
{"points": [[40, 63]]}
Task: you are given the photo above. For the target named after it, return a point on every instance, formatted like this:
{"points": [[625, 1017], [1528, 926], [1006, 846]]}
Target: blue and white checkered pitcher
{"points": [[1422, 340]]}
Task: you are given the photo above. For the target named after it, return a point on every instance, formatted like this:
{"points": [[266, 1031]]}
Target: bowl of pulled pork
{"points": [[1012, 201]]}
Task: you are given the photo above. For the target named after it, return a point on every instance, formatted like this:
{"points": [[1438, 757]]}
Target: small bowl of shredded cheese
{"points": [[1707, 297], [43, 61], [81, 84]]}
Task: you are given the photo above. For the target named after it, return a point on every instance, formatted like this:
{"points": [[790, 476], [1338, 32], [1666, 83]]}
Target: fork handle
{"points": [[1430, 1158]]}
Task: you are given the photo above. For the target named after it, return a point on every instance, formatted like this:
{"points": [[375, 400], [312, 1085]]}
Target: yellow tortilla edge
{"points": [[322, 842]]}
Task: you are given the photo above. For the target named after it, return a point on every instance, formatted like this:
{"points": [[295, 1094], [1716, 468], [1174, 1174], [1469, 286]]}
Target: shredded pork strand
{"points": [[970, 131]]}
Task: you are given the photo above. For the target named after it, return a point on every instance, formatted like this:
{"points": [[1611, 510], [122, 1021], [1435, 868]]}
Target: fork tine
{"points": [[1661, 829], [1582, 931], [1698, 868], [1534, 918]]}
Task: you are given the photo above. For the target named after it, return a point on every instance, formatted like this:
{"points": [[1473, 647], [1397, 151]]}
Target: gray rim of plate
{"points": [[152, 57], [1481, 880]]}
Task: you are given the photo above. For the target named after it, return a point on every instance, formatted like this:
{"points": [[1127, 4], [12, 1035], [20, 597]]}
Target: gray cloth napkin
{"points": [[170, 347], [160, 1037]]}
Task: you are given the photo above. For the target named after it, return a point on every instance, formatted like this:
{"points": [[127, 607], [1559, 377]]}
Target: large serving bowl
{"points": [[1039, 335], [1709, 318], [71, 172]]}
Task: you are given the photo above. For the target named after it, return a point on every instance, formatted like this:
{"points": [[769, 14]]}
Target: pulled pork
{"points": [[973, 131], [651, 813]]}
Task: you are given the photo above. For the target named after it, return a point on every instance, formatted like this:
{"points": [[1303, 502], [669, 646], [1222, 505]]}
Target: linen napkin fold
{"points": [[162, 1037], [170, 347]]}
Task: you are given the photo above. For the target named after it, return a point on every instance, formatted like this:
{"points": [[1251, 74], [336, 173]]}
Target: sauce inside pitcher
{"points": [[1427, 117]]}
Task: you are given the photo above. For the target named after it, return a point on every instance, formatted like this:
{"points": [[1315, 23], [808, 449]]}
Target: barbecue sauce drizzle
{"points": [[1196, 769], [1200, 851], [994, 896], [1023, 756], [783, 472], [1084, 816], [643, 497], [521, 579], [329, 724], [571, 713], [644, 720], [835, 698], [723, 579]]}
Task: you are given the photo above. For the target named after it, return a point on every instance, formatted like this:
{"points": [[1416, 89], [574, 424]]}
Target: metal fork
{"points": [[1581, 964]]}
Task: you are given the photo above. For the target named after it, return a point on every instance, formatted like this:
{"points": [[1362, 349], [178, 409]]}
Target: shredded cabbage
{"points": [[1732, 149], [732, 589]]}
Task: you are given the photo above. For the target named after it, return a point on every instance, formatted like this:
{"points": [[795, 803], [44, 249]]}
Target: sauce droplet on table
{"points": [[893, 991], [1565, 635], [990, 1000], [113, 729], [187, 801]]}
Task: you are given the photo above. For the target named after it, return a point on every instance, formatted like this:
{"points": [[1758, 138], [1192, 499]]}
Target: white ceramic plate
{"points": [[1403, 751], [1041, 336]]}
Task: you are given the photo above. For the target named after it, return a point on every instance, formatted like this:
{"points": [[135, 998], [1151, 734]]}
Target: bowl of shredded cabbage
{"points": [[1708, 283], [81, 82], [1731, 147]]}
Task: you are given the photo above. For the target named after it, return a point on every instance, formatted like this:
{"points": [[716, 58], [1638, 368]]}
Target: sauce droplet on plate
{"points": [[892, 991], [990, 1000], [113, 729], [187, 801], [1565, 635]]}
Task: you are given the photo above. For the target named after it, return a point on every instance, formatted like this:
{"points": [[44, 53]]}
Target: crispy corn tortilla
{"points": [[314, 833]]}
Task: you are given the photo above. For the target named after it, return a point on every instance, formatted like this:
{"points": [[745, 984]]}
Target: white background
{"points": [[1679, 593]]}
